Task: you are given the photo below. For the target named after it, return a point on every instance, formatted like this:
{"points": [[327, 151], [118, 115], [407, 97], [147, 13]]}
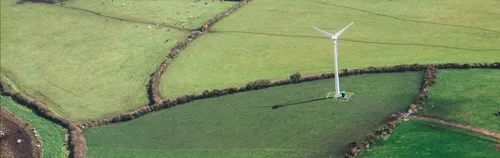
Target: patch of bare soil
{"points": [[17, 139]]}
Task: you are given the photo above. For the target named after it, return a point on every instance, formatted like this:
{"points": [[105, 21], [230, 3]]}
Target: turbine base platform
{"points": [[346, 98]]}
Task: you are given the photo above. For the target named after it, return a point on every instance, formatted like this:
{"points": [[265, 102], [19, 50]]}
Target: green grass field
{"points": [[79, 64], [272, 39], [470, 97], [52, 135], [192, 14], [244, 125], [417, 139]]}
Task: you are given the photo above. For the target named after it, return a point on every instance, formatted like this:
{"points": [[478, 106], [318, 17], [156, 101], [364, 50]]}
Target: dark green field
{"points": [[469, 97], [419, 139], [244, 125]]}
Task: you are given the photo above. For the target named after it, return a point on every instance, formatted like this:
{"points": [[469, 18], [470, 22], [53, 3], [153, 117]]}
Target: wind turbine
{"points": [[335, 37]]}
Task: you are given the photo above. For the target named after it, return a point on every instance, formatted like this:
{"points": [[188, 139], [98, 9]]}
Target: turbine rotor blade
{"points": [[345, 28], [324, 32]]}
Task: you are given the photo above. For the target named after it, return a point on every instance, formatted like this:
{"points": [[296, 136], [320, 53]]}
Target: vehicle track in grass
{"points": [[482, 131]]}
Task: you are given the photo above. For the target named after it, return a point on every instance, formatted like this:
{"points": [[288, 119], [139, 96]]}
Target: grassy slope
{"points": [[272, 39], [244, 125], [467, 96], [52, 135], [77, 63], [192, 14], [416, 139]]}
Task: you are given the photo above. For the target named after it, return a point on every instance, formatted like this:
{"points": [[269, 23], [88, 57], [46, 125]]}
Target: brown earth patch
{"points": [[15, 129]]}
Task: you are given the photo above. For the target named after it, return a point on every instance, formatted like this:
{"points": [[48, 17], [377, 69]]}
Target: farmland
{"points": [[181, 12], [466, 96], [52, 135], [424, 139], [97, 66], [244, 125], [272, 39], [79, 64]]}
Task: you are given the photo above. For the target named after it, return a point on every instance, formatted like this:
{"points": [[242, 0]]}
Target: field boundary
{"points": [[479, 130], [261, 84], [35, 142], [155, 95], [158, 101], [76, 141], [428, 80]]}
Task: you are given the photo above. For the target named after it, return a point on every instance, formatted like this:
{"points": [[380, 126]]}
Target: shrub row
{"points": [[77, 141], [209, 23], [4, 88], [381, 134], [155, 96], [253, 85], [429, 80]]}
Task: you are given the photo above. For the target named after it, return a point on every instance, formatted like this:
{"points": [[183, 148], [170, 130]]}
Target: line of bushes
{"points": [[265, 83], [155, 95], [77, 141], [381, 134]]}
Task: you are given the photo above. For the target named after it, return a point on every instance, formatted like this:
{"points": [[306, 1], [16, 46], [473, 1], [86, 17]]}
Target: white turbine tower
{"points": [[334, 37]]}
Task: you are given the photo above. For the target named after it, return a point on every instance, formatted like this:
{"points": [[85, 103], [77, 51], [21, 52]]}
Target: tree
{"points": [[295, 77]]}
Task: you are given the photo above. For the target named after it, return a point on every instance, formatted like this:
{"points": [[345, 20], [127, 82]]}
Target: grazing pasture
{"points": [[52, 135], [245, 125], [80, 65], [415, 139], [185, 13], [272, 39], [470, 97]]}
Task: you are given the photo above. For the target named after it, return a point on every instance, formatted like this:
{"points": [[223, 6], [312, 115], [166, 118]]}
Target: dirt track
{"points": [[469, 128], [15, 129]]}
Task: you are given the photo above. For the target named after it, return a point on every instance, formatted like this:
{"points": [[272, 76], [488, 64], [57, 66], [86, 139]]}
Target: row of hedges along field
{"points": [[51, 134], [182, 13], [470, 97], [416, 139], [245, 125], [260, 84], [80, 65], [272, 39]]}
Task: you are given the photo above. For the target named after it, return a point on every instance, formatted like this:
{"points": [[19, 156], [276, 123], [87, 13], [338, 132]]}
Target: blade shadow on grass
{"points": [[366, 42], [402, 19]]}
